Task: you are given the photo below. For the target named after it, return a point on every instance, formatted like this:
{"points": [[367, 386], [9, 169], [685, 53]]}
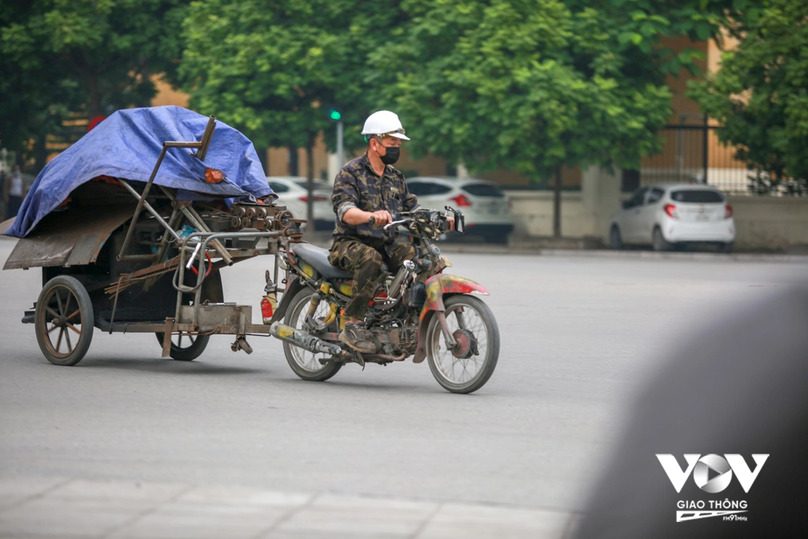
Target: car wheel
{"points": [[727, 247], [615, 240], [659, 242]]}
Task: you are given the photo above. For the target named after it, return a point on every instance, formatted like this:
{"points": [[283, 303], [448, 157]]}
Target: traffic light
{"points": [[335, 115]]}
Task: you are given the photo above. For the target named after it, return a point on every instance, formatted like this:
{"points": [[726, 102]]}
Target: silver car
{"points": [[672, 215], [486, 208]]}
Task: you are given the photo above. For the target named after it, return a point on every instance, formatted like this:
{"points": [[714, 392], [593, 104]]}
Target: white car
{"points": [[486, 208], [670, 215], [293, 193]]}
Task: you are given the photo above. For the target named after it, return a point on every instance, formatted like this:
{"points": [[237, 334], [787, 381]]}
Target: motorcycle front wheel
{"points": [[307, 364], [468, 366]]}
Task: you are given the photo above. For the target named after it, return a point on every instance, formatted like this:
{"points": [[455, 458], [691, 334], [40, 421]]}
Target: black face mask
{"points": [[391, 156]]}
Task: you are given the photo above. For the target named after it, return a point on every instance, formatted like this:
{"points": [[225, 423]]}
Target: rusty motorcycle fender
{"points": [[437, 287]]}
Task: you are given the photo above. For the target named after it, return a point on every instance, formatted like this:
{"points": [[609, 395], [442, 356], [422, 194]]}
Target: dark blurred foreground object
{"points": [[739, 388]]}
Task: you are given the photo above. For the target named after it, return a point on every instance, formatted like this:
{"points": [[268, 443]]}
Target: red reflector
{"points": [[461, 201], [267, 309], [727, 211], [670, 209]]}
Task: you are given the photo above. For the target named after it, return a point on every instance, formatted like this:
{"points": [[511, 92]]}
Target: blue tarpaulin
{"points": [[128, 144]]}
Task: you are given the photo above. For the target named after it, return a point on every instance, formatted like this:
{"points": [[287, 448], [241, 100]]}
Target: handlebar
{"points": [[372, 221], [412, 216], [388, 226]]}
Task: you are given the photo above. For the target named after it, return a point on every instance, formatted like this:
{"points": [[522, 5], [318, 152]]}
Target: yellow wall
{"points": [[278, 161], [687, 112], [166, 95]]}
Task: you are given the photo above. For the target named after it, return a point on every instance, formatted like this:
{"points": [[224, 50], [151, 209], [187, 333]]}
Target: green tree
{"points": [[535, 85], [760, 95], [274, 70], [82, 56], [528, 85], [30, 93]]}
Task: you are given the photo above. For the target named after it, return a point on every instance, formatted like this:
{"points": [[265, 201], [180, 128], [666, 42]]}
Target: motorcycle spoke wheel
{"points": [[467, 366], [303, 363]]}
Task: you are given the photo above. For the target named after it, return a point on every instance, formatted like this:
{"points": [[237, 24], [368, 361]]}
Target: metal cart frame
{"points": [[65, 308]]}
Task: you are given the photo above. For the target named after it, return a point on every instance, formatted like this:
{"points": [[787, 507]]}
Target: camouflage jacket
{"points": [[358, 186]]}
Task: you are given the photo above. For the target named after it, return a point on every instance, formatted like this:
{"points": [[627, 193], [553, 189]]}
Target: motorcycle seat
{"points": [[318, 258]]}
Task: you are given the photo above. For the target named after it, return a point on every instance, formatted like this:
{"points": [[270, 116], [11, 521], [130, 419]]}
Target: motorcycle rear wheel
{"points": [[467, 368], [306, 364]]}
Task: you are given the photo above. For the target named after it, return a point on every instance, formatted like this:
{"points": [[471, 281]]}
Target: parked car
{"points": [[293, 193], [487, 209], [672, 215]]}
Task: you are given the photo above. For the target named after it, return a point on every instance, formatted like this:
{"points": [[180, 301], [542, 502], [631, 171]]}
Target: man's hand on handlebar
{"points": [[444, 221], [380, 218]]}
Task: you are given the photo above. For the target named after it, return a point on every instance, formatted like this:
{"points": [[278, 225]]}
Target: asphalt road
{"points": [[581, 332]]}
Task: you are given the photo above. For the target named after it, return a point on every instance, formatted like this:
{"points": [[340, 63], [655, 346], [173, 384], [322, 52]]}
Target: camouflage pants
{"points": [[364, 259]]}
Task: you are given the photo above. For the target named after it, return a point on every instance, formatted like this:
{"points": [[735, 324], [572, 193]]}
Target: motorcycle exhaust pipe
{"points": [[303, 340]]}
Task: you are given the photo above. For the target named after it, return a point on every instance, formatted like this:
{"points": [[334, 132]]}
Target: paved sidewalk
{"points": [[40, 508]]}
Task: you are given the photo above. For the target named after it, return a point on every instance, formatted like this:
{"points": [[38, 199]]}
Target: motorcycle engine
{"points": [[395, 340]]}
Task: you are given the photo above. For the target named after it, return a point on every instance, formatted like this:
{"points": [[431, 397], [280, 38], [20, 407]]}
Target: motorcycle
{"points": [[419, 311]]}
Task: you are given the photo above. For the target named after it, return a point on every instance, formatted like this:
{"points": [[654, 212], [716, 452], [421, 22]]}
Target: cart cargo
{"points": [[131, 226]]}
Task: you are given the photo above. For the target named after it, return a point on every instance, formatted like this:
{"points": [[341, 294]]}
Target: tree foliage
{"points": [[84, 56], [274, 70], [534, 85], [528, 85], [760, 95]]}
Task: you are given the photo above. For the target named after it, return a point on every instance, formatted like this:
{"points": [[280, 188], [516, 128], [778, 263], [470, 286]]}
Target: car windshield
{"points": [[484, 190], [697, 195]]}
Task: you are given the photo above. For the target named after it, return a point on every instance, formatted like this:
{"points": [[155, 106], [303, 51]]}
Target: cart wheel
{"points": [[64, 320], [185, 346]]}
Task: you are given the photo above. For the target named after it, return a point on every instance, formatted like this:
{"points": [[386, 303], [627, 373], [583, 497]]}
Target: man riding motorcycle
{"points": [[368, 190], [379, 295]]}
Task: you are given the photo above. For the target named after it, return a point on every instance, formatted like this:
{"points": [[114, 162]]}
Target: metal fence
{"points": [[693, 153]]}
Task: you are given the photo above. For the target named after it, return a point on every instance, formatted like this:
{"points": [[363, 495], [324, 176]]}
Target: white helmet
{"points": [[384, 122]]}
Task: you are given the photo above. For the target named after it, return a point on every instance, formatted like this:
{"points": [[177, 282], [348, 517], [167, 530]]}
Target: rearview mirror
{"points": [[459, 219]]}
